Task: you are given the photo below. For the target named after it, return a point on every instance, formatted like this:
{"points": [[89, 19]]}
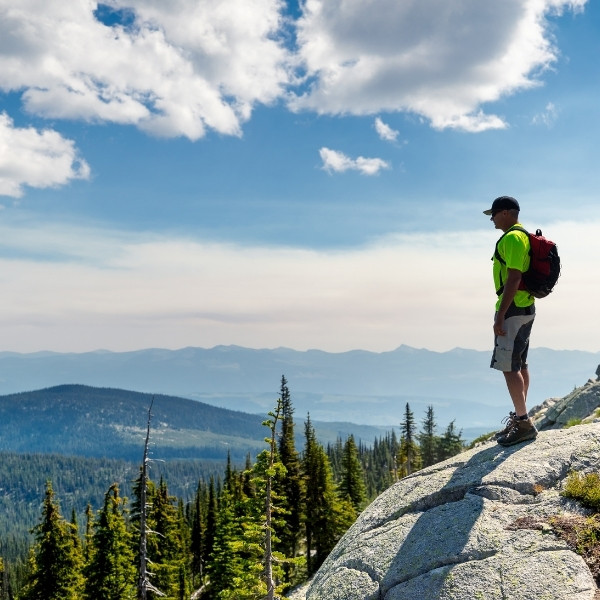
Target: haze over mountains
{"points": [[361, 387]]}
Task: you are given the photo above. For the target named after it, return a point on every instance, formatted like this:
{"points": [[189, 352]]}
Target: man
{"points": [[515, 312]]}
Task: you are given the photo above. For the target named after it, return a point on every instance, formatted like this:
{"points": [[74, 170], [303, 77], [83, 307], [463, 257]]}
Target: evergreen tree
{"points": [[212, 512], [143, 491], [111, 572], [291, 482], [87, 539], [428, 441], [229, 476], [335, 454], [247, 485], [220, 565], [56, 562], [451, 443], [198, 533], [166, 546], [185, 565], [326, 516], [352, 485], [408, 456], [244, 564]]}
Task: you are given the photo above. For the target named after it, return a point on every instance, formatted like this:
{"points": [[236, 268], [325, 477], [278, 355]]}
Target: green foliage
{"points": [[78, 481], [282, 514], [482, 438], [110, 570], [573, 422], [289, 485], [451, 443], [428, 441], [56, 560], [582, 534], [327, 516], [352, 484], [167, 547], [388, 459], [409, 457], [584, 488]]}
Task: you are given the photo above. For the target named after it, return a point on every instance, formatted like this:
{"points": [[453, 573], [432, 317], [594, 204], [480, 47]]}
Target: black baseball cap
{"points": [[502, 203]]}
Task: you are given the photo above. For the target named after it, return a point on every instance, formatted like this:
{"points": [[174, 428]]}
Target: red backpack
{"points": [[544, 264]]}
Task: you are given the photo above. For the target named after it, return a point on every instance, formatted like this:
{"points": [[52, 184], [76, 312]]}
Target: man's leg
{"points": [[510, 357], [518, 384], [522, 426]]}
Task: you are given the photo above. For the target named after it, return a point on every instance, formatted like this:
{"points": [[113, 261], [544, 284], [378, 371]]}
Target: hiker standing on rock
{"points": [[515, 312]]}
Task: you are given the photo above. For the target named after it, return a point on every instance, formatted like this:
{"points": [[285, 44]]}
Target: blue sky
{"points": [[261, 173]]}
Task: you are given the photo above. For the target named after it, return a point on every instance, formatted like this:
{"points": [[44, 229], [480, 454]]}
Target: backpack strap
{"points": [[500, 290]]}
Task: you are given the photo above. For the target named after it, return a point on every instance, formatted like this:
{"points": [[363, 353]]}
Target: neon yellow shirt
{"points": [[514, 249]]}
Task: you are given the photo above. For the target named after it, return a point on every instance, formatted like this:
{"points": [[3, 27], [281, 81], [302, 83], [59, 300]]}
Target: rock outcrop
{"points": [[454, 531], [580, 405]]}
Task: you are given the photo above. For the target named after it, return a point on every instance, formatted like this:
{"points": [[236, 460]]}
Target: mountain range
{"points": [[362, 387]]}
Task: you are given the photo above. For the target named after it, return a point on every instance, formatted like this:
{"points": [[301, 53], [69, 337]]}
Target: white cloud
{"points": [[385, 132], [548, 117], [180, 68], [333, 160], [39, 159], [122, 291], [442, 61]]}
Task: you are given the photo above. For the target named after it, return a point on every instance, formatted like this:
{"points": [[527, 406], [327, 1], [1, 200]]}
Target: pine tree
{"points": [[291, 482], [326, 516], [408, 455], [352, 485], [247, 485], [111, 572], [166, 546], [143, 491], [185, 563], [87, 539], [56, 562], [335, 454], [244, 564], [198, 533], [212, 512], [220, 567], [229, 476], [268, 468], [451, 443], [428, 441]]}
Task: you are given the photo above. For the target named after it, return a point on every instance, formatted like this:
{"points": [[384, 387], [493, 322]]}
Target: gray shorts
{"points": [[510, 350]]}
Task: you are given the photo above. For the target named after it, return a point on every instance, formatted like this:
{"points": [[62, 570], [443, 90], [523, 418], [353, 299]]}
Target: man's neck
{"points": [[510, 225]]}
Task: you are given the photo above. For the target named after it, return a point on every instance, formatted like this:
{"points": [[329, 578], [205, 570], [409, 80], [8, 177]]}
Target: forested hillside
{"points": [[78, 481], [105, 422], [110, 423], [210, 517]]}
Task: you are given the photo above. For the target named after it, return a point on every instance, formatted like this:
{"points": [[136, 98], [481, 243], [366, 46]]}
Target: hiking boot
{"points": [[510, 421], [520, 432]]}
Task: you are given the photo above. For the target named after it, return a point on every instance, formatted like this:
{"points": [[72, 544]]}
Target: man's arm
{"points": [[513, 280]]}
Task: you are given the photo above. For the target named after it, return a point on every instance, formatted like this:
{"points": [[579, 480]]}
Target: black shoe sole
{"points": [[514, 442]]}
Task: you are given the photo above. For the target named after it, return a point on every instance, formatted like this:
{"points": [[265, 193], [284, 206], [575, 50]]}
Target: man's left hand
{"points": [[499, 326]]}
